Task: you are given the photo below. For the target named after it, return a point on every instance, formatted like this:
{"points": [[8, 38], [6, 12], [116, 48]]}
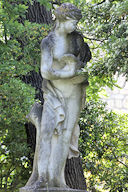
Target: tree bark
{"points": [[73, 170], [74, 174]]}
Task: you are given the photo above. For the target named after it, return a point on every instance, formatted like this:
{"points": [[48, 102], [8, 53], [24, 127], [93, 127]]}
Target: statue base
{"points": [[53, 189]]}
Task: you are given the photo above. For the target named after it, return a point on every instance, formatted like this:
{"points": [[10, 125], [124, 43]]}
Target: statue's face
{"points": [[68, 25]]}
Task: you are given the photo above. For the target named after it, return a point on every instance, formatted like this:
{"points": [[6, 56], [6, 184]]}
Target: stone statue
{"points": [[63, 55]]}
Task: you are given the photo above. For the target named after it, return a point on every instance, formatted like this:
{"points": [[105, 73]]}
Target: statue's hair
{"points": [[68, 10]]}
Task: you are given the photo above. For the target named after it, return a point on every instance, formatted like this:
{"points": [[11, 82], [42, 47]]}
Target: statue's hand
{"points": [[68, 59], [60, 74], [71, 60], [82, 71], [80, 76]]}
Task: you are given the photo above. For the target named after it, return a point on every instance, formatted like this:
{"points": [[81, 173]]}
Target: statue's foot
{"points": [[55, 183], [40, 183], [64, 186], [33, 178]]}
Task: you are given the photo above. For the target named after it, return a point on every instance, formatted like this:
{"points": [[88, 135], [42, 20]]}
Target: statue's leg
{"points": [[47, 128], [61, 148]]}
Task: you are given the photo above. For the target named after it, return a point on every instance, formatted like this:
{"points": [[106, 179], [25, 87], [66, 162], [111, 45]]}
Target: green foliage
{"points": [[104, 148], [14, 164], [19, 54], [103, 140], [16, 99], [106, 26]]}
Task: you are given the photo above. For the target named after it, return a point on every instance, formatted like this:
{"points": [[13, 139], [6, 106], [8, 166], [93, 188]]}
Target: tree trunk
{"points": [[73, 170]]}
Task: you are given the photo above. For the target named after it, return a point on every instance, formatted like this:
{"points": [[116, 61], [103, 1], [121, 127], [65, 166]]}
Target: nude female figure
{"points": [[63, 54]]}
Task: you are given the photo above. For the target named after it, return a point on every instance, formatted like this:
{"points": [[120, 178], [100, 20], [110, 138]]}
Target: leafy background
{"points": [[103, 142]]}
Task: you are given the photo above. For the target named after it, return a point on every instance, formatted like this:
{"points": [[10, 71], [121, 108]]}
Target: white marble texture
{"points": [[63, 55]]}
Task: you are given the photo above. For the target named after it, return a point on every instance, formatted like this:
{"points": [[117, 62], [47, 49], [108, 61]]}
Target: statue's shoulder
{"points": [[48, 41]]}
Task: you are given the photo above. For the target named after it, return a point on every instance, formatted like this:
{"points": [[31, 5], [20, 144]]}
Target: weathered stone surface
{"points": [[63, 55], [25, 189]]}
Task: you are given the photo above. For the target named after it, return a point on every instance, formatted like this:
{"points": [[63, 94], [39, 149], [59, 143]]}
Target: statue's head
{"points": [[68, 10], [67, 17]]}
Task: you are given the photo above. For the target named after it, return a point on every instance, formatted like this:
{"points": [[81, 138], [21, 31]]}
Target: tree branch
{"points": [[5, 34], [119, 160], [101, 2], [98, 3], [94, 39]]}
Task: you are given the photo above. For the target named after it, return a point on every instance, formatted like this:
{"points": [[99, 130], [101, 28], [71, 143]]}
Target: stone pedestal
{"points": [[25, 189]]}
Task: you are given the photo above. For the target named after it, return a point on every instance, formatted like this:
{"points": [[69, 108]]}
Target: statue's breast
{"points": [[60, 47]]}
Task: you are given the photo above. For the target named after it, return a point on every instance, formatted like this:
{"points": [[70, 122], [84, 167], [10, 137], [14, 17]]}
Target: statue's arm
{"points": [[69, 61]]}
